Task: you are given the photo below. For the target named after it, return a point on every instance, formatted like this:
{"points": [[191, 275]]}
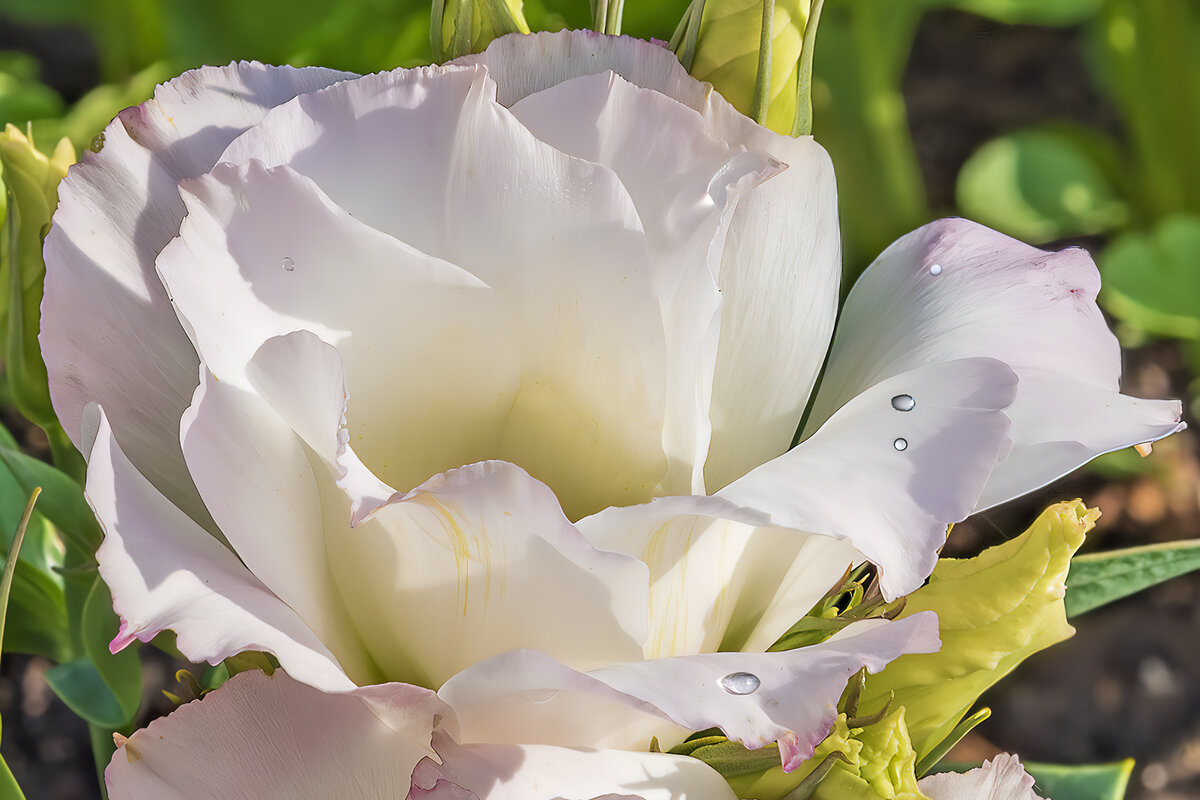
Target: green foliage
{"points": [[102, 687], [22, 95], [1097, 579], [1152, 281], [1040, 185], [1082, 782], [994, 611]]}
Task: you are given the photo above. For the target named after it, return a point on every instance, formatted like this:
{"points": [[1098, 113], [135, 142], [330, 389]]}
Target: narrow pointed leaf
{"points": [[1097, 579]]}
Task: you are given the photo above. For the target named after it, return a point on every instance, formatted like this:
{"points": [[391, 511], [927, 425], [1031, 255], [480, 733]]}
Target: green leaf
{"points": [[1039, 185], [62, 500], [102, 687], [1100, 578], [1084, 782], [9, 790], [1151, 281], [37, 617], [122, 671], [79, 684]]}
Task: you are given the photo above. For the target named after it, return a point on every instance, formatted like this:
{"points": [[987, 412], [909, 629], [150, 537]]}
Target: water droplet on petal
{"points": [[900, 444], [540, 696], [904, 402], [740, 683], [288, 264], [936, 269]]}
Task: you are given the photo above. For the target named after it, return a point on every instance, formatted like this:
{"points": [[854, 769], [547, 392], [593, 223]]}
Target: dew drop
{"points": [[288, 264], [900, 444], [740, 683], [936, 269], [904, 402]]}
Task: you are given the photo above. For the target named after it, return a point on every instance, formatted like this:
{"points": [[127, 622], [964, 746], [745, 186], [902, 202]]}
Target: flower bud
{"points": [[30, 195], [460, 27]]}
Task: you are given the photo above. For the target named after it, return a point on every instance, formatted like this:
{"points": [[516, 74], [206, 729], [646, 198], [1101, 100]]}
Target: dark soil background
{"points": [[1125, 686]]}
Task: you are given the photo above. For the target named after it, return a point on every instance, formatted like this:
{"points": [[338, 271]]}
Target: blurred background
{"points": [[1060, 122]]}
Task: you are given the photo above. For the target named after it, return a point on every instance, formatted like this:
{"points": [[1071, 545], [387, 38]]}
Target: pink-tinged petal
{"points": [[532, 772], [167, 573], [718, 580], [254, 475], [591, 381], [267, 737], [108, 331], [889, 480], [1001, 778], [781, 262], [528, 697], [955, 289]]}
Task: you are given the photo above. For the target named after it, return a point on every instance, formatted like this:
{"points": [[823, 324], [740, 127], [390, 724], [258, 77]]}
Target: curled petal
{"points": [[1001, 778], [166, 572], [955, 289]]}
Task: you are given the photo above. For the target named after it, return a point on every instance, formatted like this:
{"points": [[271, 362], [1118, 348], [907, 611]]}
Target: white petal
{"points": [[528, 697], [574, 292], [954, 289], [108, 332], [165, 572], [254, 475], [1001, 778], [890, 481], [686, 187], [532, 772], [266, 737], [782, 258], [717, 580], [481, 560]]}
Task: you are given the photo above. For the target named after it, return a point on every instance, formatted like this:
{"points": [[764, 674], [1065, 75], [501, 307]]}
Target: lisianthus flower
{"points": [[1000, 778], [483, 377]]}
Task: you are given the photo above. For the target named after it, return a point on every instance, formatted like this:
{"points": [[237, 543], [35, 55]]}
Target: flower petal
{"points": [[255, 477], [528, 697], [165, 572], [481, 560], [590, 381], [271, 737], [533, 772], [108, 332], [1001, 778], [955, 289], [887, 480], [781, 264], [718, 581]]}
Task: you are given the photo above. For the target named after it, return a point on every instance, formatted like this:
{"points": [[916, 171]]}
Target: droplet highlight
{"points": [[288, 264], [900, 444], [740, 683], [936, 269], [904, 402]]}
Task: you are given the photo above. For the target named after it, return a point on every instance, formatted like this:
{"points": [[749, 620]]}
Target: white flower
{"points": [[499, 364]]}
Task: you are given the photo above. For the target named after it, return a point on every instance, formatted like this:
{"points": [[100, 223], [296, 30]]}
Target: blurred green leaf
{"points": [[1031, 12], [22, 96], [9, 790], [37, 617], [1082, 782], [92, 112], [1038, 185], [1152, 281], [1097, 579]]}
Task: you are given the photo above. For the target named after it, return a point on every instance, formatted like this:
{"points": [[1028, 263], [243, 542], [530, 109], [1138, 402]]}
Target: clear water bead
{"points": [[900, 444], [288, 264], [936, 269], [904, 402], [740, 683]]}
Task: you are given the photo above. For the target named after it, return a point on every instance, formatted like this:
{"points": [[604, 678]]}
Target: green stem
{"points": [[10, 564], [762, 81], [599, 15], [103, 748], [436, 16], [803, 121]]}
